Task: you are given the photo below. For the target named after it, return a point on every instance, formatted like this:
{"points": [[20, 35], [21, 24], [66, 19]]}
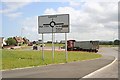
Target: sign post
{"points": [[66, 54], [54, 24], [42, 47], [52, 46]]}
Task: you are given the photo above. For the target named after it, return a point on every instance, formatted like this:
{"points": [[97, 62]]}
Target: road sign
{"points": [[53, 23]]}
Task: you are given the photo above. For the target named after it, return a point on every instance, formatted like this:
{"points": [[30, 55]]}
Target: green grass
{"points": [[19, 58], [24, 47], [57, 45], [108, 45]]}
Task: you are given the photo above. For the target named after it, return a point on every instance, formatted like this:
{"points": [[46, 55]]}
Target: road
{"points": [[111, 71], [69, 70], [110, 51]]}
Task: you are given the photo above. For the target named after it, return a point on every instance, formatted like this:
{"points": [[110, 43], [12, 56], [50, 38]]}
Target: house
{"points": [[2, 42], [26, 41], [19, 40]]}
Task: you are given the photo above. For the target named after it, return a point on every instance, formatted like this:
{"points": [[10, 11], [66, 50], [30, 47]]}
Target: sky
{"points": [[89, 19]]}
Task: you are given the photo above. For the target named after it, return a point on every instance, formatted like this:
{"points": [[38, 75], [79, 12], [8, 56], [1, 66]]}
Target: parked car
{"points": [[35, 48]]}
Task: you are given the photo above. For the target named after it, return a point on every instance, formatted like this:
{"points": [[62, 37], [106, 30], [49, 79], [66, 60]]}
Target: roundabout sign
{"points": [[59, 23], [54, 24]]}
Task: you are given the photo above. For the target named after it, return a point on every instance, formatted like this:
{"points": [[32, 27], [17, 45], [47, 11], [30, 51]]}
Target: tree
{"points": [[106, 42], [11, 41], [116, 42], [110, 42]]}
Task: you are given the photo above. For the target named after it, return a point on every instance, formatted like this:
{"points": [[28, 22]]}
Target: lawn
{"points": [[20, 58], [57, 45], [108, 45]]}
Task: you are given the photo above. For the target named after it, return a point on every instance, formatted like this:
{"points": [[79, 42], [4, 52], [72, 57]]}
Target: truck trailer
{"points": [[90, 46]]}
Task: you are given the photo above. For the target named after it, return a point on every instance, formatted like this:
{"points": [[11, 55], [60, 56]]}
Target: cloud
{"points": [[29, 28], [11, 9], [92, 21], [50, 10], [13, 6], [99, 1], [19, 0], [74, 3], [14, 15]]}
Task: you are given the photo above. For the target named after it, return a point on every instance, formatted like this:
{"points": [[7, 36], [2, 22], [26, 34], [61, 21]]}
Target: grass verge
{"points": [[20, 58], [57, 45]]}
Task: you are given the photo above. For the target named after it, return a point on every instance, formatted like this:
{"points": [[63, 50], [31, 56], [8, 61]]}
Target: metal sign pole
{"points": [[66, 54], [54, 42], [52, 46], [42, 47]]}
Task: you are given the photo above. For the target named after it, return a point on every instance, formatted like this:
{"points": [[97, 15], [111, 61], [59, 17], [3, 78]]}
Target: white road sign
{"points": [[53, 23]]}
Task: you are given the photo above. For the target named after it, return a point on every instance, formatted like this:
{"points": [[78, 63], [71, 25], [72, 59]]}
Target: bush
{"points": [[11, 41]]}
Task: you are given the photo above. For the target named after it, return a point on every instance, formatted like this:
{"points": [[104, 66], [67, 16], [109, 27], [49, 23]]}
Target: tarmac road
{"points": [[69, 70], [109, 51], [111, 71]]}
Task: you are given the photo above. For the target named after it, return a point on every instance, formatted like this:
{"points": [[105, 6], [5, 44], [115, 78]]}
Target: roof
{"points": [[19, 39], [26, 40]]}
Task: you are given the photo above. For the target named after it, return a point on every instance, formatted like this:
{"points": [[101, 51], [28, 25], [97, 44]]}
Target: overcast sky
{"points": [[89, 19]]}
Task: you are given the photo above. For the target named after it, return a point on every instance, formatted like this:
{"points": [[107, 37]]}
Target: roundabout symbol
{"points": [[52, 24]]}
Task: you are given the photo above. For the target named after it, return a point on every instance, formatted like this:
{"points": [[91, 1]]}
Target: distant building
{"points": [[2, 42], [19, 40], [26, 41]]}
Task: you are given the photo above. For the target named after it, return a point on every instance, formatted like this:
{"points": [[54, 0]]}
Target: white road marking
{"points": [[93, 73]]}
